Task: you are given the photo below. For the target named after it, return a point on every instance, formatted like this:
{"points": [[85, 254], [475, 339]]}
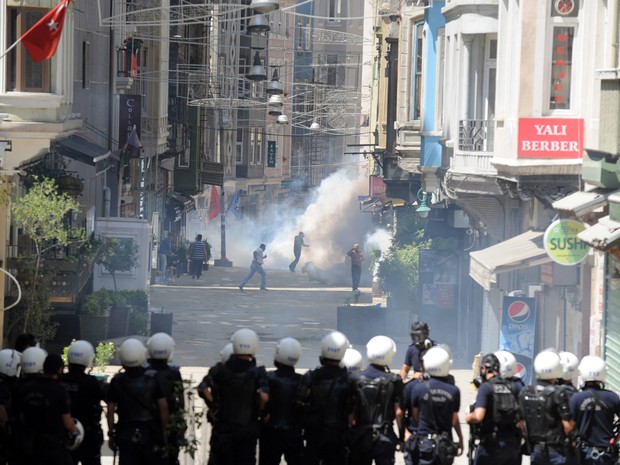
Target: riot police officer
{"points": [[594, 410], [236, 392], [142, 409], [496, 412], [324, 394], [9, 364], [548, 421], [435, 405], [86, 394], [376, 404], [352, 361], [507, 370], [570, 366], [281, 433], [420, 342], [160, 349]]}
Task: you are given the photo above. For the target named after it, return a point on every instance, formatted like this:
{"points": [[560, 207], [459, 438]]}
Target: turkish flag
{"points": [[215, 206], [41, 40]]}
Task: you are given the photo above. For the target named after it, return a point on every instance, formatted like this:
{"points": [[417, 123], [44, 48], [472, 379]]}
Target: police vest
{"points": [[327, 407], [171, 383], [137, 402], [282, 410], [539, 406], [375, 398], [86, 396], [237, 395]]}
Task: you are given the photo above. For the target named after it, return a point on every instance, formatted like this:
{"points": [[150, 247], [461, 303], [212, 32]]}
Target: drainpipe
{"points": [[392, 84]]}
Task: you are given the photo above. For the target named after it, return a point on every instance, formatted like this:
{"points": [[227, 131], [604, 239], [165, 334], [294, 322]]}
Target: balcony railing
{"points": [[476, 135]]}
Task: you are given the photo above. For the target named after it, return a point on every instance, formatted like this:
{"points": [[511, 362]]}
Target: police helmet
{"points": [[352, 361], [570, 364], [80, 436], [380, 350], [490, 362], [9, 362], [33, 359], [437, 361], [334, 345], [160, 346], [81, 353], [547, 365], [132, 353], [419, 331], [507, 363], [244, 341], [287, 351], [226, 352], [592, 368]]}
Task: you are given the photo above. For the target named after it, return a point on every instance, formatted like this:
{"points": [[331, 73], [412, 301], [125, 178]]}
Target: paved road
{"points": [[207, 311]]}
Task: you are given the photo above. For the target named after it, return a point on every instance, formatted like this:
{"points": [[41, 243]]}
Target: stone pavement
{"points": [[205, 312]]}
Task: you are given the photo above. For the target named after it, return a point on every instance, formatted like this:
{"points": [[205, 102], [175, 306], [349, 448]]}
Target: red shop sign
{"points": [[550, 138]]}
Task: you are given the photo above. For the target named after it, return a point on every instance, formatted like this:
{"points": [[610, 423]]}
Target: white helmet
{"points": [[592, 368], [380, 350], [161, 346], [81, 353], [570, 364], [547, 365], [226, 352], [9, 362], [80, 437], [352, 361], [437, 361], [33, 359], [244, 341], [132, 353], [334, 345], [287, 352], [507, 363]]}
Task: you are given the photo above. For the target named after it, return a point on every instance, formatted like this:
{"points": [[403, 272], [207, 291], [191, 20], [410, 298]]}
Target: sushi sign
{"points": [[562, 244]]}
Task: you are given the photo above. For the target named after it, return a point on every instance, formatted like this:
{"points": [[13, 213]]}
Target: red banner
{"points": [[550, 138]]}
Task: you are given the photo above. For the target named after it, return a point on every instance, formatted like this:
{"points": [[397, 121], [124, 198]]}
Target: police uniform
{"points": [[544, 407], [282, 434], [434, 415], [325, 393], [235, 385], [5, 402], [169, 379], [135, 395], [594, 410], [410, 448], [86, 394], [376, 392], [499, 444], [43, 402]]}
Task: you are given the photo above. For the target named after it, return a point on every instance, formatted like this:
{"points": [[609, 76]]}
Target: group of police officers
{"points": [[335, 414]]}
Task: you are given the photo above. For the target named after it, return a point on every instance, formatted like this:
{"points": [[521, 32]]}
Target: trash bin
{"points": [[161, 323]]}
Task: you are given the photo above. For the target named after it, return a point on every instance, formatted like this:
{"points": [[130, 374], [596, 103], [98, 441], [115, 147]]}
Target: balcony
{"points": [[475, 148]]}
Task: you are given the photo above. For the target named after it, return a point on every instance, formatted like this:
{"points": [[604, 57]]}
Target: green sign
{"points": [[563, 245], [271, 154]]}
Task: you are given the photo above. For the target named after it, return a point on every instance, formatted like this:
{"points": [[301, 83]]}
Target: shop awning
{"points": [[78, 148], [603, 235], [582, 203], [523, 251], [186, 202]]}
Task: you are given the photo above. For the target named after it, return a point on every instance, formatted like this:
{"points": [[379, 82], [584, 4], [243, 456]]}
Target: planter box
{"points": [[118, 323], [94, 328]]}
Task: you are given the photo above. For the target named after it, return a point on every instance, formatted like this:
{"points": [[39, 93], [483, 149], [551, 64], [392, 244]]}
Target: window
{"points": [[252, 145], [416, 70], [239, 147], [184, 157], [334, 10], [86, 65], [441, 66], [561, 67], [259, 146], [23, 75]]}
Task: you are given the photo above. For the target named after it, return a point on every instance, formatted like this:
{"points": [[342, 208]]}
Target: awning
{"points": [[181, 200], [80, 149], [523, 251], [603, 235], [582, 203]]}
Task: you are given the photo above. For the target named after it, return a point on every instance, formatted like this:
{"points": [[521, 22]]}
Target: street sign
{"points": [[562, 244], [271, 154]]}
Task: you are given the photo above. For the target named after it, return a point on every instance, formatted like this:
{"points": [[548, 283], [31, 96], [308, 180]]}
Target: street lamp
{"points": [[423, 210], [257, 72]]}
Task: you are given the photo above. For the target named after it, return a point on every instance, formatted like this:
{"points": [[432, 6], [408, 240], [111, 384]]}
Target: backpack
{"points": [[505, 407]]}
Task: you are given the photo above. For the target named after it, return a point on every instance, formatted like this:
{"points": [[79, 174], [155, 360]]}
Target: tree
{"points": [[117, 255], [42, 214]]}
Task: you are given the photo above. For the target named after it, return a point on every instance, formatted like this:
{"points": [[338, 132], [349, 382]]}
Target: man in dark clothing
{"points": [[46, 416], [86, 394], [419, 344], [376, 399], [161, 347], [281, 433], [434, 409], [324, 394], [236, 393], [357, 257], [298, 244], [9, 364], [594, 410], [198, 254], [140, 403]]}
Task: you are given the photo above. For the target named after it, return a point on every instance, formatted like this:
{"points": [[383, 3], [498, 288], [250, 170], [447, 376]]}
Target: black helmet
{"points": [[490, 362], [419, 327]]}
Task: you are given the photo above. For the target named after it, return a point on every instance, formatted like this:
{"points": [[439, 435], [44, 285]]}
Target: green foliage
{"points": [[399, 271], [98, 303], [117, 255], [179, 421]]}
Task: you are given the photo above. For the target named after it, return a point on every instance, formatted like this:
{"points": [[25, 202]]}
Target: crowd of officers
{"points": [[336, 414]]}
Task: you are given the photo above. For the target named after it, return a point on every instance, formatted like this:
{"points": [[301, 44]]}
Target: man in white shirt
{"points": [[257, 267]]}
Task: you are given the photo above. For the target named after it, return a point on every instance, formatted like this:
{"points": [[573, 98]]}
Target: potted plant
{"points": [[138, 301], [94, 316], [104, 353], [119, 314]]}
